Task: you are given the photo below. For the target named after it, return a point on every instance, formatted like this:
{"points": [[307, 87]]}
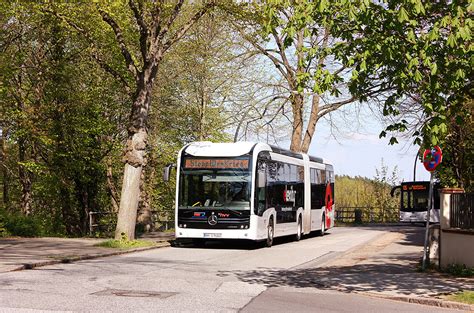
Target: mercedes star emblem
{"points": [[212, 220]]}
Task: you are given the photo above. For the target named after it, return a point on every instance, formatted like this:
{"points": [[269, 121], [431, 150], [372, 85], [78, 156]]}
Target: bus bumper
{"points": [[214, 233]]}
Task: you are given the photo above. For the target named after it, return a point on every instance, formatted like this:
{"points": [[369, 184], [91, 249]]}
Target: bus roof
{"points": [[234, 149]]}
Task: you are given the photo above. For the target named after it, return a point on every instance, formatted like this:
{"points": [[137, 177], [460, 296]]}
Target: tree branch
{"points": [[95, 56], [144, 33], [276, 62], [182, 31], [327, 108], [132, 67], [171, 19], [112, 72], [281, 51]]}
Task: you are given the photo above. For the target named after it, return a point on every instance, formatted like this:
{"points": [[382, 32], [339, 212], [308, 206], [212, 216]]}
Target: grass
{"points": [[125, 244], [464, 297]]}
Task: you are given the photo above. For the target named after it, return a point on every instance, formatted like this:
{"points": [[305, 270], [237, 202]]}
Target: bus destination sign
{"points": [[414, 187], [216, 164]]}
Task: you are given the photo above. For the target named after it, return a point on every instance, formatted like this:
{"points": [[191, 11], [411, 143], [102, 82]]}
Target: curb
{"points": [[29, 266], [424, 301]]}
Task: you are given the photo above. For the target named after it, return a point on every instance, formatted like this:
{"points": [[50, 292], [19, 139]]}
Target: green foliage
{"points": [[3, 230], [125, 244], [456, 170], [421, 51], [370, 195], [64, 114], [23, 226], [319, 69], [420, 54], [460, 270]]}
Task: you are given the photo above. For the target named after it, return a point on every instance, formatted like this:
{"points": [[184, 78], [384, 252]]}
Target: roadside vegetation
{"points": [[460, 270], [370, 195], [90, 92], [466, 296], [125, 244]]}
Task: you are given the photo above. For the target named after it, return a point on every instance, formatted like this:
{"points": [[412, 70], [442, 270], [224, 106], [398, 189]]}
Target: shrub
{"points": [[459, 270], [19, 225]]}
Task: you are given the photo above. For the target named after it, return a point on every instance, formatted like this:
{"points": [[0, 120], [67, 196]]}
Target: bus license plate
{"points": [[212, 235]]}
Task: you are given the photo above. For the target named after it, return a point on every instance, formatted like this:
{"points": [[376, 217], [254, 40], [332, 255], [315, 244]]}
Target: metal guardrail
{"points": [[365, 215], [461, 211]]}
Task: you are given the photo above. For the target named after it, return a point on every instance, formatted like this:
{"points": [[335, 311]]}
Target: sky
{"points": [[358, 150], [362, 154]]}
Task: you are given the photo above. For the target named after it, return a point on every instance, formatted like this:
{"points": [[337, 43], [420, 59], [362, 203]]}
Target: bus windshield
{"points": [[215, 183], [415, 201]]}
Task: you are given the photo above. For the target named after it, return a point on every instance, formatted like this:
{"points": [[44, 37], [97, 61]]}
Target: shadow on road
{"points": [[234, 244], [363, 278], [392, 270]]}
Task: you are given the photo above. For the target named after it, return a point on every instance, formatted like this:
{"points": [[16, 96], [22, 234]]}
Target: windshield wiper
{"points": [[234, 211]]}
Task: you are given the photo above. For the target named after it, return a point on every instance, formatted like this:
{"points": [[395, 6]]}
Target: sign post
{"points": [[431, 159]]}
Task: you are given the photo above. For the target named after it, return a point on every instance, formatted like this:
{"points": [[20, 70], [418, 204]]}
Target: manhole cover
{"points": [[134, 293]]}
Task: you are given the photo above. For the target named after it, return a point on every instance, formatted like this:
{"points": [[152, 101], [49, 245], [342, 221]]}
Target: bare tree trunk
{"points": [[134, 159], [296, 136], [297, 98], [112, 190], [155, 40], [3, 162], [25, 179], [144, 213], [313, 119], [144, 208]]}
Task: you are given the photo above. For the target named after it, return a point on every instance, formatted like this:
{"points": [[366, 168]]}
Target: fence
{"points": [[461, 211], [105, 222], [365, 215]]}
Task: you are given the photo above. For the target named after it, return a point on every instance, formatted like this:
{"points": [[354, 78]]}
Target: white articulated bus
{"points": [[252, 191], [414, 201]]}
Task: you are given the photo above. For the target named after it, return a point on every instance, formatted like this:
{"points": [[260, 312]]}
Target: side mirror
{"points": [[392, 192], [167, 171]]}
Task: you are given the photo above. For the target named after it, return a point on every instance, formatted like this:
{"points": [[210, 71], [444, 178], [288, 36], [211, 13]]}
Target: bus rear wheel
{"points": [[323, 226], [270, 233], [299, 230]]}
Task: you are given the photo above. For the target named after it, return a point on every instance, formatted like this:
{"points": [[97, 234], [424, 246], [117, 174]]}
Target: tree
{"points": [[299, 45], [58, 120], [423, 50], [149, 31], [191, 90], [458, 149]]}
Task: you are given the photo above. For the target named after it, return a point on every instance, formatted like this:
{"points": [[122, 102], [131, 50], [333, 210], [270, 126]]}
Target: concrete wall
{"points": [[456, 246]]}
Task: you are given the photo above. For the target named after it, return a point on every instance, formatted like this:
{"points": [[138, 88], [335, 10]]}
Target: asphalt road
{"points": [[220, 277]]}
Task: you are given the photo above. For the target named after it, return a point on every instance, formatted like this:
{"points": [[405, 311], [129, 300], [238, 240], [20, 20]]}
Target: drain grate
{"points": [[134, 293]]}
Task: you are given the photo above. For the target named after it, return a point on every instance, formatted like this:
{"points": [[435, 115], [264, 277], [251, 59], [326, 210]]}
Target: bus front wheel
{"points": [[270, 233]]}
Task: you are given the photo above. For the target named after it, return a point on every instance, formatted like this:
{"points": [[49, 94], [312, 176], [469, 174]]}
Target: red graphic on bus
{"points": [[329, 202]]}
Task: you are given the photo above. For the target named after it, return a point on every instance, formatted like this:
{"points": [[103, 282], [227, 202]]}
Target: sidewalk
{"points": [[21, 253], [384, 268], [387, 267]]}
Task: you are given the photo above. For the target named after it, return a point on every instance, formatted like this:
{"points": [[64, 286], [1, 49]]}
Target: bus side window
{"points": [[260, 197]]}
